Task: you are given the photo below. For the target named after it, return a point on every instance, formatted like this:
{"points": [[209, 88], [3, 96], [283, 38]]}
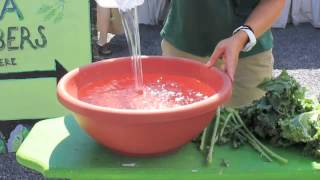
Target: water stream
{"points": [[131, 28]]}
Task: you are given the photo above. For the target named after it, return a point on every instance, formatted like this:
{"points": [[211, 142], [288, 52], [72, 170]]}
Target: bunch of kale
{"points": [[284, 115]]}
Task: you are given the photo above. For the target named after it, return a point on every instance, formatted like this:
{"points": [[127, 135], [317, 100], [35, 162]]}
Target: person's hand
{"points": [[229, 50]]}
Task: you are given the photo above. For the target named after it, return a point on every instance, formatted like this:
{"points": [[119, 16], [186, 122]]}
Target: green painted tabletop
{"points": [[59, 148]]}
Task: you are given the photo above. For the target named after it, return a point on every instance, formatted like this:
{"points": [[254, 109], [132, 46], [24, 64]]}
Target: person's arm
{"points": [[260, 20]]}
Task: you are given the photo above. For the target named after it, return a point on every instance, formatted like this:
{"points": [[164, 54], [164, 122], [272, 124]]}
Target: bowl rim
{"points": [[70, 101]]}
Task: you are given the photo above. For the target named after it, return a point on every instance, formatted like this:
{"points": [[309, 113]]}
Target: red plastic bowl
{"points": [[141, 132]]}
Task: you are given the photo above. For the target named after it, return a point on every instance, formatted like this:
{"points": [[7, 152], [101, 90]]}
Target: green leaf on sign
{"points": [[43, 9], [58, 18], [52, 12]]}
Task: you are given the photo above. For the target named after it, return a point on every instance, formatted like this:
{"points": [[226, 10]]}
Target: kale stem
{"points": [[250, 139], [271, 153], [225, 124], [255, 145], [214, 137], [203, 139]]}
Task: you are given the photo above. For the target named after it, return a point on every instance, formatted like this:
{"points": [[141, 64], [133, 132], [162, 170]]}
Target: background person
{"points": [[209, 30]]}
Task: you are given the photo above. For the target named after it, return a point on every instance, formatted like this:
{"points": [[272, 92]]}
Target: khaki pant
{"points": [[250, 72]]}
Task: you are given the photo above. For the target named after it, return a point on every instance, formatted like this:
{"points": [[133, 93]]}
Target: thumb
{"points": [[230, 62]]}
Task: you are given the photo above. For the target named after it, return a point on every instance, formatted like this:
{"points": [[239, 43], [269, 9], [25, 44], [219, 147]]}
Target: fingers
{"points": [[229, 54], [217, 53]]}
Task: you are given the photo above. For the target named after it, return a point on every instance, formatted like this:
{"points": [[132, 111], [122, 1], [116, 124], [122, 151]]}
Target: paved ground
{"points": [[296, 49]]}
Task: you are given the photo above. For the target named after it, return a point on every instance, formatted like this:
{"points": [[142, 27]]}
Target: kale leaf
{"points": [[284, 115]]}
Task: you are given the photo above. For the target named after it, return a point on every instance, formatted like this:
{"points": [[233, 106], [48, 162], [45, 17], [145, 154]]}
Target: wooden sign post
{"points": [[40, 40]]}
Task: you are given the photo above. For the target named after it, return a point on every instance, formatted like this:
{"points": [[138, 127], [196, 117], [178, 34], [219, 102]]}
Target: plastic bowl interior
{"points": [[144, 132]]}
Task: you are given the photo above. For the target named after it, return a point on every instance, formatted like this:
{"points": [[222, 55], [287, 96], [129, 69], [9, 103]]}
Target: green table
{"points": [[58, 148]]}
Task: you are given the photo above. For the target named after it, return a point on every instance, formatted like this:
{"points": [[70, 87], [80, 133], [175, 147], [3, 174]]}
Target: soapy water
{"points": [[159, 92]]}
